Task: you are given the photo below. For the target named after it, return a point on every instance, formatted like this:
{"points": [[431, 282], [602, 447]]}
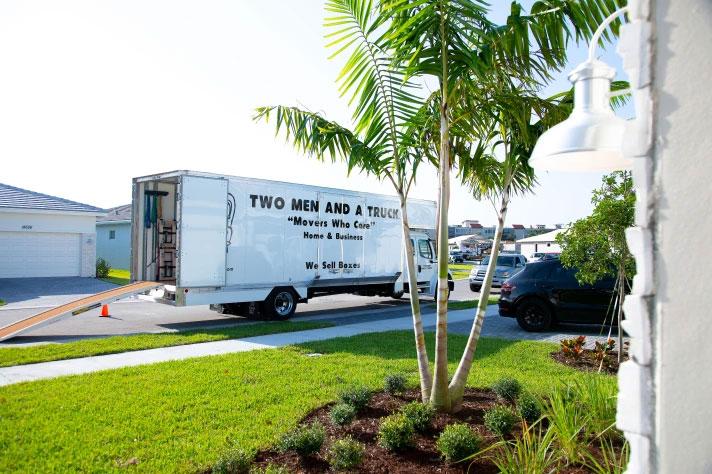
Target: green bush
{"points": [[528, 407], [270, 469], [102, 268], [395, 384], [358, 397], [342, 414], [234, 461], [420, 415], [396, 433], [457, 442], [507, 389], [500, 420], [304, 440], [345, 454]]}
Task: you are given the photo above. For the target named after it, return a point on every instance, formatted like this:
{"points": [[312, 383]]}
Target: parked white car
{"points": [[508, 265]]}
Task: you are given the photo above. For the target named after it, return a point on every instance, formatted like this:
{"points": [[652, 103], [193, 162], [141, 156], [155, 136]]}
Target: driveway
{"points": [[35, 293]]}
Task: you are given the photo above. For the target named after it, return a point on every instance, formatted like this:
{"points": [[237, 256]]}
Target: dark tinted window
{"points": [[561, 274], [536, 270]]}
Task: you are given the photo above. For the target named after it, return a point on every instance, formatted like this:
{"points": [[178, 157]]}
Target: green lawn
{"points": [[179, 416], [459, 271], [493, 299], [118, 276], [110, 345]]}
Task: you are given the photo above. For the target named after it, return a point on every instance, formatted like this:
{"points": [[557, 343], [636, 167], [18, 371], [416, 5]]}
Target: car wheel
{"points": [[475, 288], [280, 304], [396, 295], [534, 316]]}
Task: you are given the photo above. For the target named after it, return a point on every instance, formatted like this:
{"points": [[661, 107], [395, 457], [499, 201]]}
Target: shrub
{"points": [[567, 420], [342, 414], [457, 442], [395, 384], [304, 440], [270, 469], [598, 400], [234, 461], [573, 347], [396, 433], [102, 268], [531, 452], [528, 407], [345, 454], [500, 420], [507, 389], [357, 397], [420, 415]]}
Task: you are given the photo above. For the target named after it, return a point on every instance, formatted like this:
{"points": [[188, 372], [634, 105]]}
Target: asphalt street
{"points": [[135, 316]]}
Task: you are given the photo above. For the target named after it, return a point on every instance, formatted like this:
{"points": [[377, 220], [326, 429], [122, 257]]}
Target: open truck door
{"points": [[202, 231]]}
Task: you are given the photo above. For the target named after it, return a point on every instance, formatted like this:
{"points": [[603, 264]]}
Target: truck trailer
{"points": [[257, 248]]}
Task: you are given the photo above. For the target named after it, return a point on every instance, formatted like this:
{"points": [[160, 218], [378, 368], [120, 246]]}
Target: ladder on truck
{"points": [[76, 307]]}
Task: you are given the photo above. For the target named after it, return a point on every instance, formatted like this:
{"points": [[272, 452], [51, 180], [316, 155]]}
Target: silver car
{"points": [[508, 265]]}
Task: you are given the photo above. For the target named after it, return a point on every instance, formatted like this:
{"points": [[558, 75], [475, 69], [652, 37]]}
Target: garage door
{"points": [[37, 254]]}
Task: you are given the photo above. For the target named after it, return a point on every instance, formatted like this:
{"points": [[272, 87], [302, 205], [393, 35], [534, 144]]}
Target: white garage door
{"points": [[37, 254]]}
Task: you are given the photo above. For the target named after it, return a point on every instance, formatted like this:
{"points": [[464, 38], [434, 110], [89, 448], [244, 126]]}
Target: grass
{"points": [[468, 304], [2, 302], [118, 276], [180, 416], [110, 345], [459, 271]]}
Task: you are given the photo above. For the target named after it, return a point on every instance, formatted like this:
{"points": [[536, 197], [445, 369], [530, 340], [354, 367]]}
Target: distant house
{"points": [[45, 236], [113, 236], [540, 243]]}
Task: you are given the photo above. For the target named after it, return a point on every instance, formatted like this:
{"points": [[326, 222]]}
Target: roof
{"points": [[18, 198], [465, 238], [116, 214], [517, 226], [547, 237]]}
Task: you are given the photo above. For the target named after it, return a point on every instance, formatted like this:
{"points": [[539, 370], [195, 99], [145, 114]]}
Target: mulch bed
{"points": [[587, 361], [422, 458]]}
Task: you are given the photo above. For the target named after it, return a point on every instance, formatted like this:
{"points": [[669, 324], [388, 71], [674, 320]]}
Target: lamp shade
{"points": [[591, 139]]}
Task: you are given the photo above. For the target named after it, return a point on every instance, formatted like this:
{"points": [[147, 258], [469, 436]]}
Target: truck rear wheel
{"points": [[280, 304]]}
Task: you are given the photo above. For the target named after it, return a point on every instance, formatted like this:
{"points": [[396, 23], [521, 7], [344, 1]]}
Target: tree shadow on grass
{"points": [[400, 345]]}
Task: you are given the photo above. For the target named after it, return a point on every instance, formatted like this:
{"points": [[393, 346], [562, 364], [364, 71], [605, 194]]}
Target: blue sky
{"points": [[93, 93]]}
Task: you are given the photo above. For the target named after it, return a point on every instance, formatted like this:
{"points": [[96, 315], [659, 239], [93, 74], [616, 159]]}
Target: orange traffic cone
{"points": [[104, 311]]}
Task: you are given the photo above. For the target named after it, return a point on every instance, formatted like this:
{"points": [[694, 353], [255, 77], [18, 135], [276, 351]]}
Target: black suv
{"points": [[546, 292]]}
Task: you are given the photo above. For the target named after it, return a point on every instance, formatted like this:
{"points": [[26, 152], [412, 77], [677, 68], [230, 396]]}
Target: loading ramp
{"points": [[75, 307]]}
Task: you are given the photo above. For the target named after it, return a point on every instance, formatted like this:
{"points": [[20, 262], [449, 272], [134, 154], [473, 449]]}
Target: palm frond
{"points": [[315, 136]]}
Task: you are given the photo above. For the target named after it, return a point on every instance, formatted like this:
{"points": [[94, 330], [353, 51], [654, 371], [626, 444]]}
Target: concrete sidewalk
{"points": [[45, 370]]}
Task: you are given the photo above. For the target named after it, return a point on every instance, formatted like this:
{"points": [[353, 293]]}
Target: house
{"points": [[113, 236], [540, 243], [45, 236]]}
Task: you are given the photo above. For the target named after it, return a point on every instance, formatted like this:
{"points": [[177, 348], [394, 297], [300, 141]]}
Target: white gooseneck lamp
{"points": [[591, 139]]}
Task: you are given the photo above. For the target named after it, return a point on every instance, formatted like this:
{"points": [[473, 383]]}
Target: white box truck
{"points": [[257, 248]]}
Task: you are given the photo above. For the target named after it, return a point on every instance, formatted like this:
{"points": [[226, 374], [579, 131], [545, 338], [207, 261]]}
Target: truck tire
{"points": [[280, 304]]}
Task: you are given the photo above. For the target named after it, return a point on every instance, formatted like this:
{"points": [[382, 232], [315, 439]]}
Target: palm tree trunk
{"points": [[426, 379], [439, 396], [457, 386], [621, 298]]}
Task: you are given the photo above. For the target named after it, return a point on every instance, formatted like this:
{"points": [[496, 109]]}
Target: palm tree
{"points": [[512, 135], [386, 114], [455, 43]]}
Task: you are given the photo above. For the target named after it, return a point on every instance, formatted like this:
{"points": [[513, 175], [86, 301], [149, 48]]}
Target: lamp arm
{"points": [[593, 45]]}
